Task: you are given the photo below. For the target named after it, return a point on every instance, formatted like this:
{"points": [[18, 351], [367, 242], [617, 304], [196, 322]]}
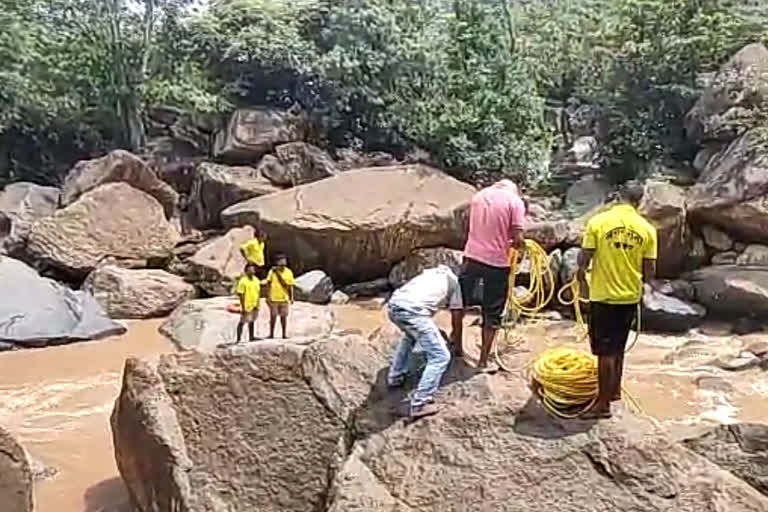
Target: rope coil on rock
{"points": [[565, 379]]}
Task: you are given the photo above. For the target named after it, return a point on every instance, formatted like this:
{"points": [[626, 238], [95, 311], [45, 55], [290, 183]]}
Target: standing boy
{"points": [[622, 247], [248, 291], [253, 249], [280, 281]]}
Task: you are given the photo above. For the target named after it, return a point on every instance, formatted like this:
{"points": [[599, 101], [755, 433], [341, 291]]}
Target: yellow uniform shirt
{"points": [[621, 239], [254, 251], [250, 289], [277, 292]]}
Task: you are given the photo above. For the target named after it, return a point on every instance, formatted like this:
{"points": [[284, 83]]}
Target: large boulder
{"points": [[254, 132], [21, 204], [422, 259], [16, 479], [664, 206], [206, 324], [665, 313], [731, 291], [114, 221], [299, 163], [315, 286], [492, 448], [741, 449], [586, 194], [373, 288], [145, 293], [263, 426], [732, 193], [39, 311], [117, 166], [216, 187], [358, 224], [218, 263], [754, 255], [736, 101]]}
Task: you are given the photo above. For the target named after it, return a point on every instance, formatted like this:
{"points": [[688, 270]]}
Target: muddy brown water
{"points": [[58, 400]]}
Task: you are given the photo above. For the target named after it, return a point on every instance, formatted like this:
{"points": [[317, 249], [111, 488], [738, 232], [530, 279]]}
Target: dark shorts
{"points": [[609, 326], [495, 286]]}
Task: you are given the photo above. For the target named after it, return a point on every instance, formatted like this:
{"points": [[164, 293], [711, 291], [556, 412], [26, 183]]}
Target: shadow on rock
{"points": [[107, 496], [533, 420]]}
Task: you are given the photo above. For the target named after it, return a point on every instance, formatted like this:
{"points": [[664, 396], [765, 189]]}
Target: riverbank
{"points": [[58, 400]]}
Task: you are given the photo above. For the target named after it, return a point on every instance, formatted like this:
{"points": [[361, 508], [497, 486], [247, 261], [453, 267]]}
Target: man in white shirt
{"points": [[411, 309]]}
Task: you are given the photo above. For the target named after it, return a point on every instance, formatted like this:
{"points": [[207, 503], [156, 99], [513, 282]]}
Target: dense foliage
{"points": [[465, 80]]}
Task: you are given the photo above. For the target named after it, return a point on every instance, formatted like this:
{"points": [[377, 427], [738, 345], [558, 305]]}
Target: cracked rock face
{"points": [[16, 480], [262, 426], [281, 427], [358, 224]]}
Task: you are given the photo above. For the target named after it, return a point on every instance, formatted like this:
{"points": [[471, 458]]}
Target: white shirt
{"points": [[431, 290]]}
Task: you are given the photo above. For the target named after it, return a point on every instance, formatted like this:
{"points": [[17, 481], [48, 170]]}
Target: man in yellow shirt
{"points": [[253, 249], [249, 293], [622, 247], [280, 281]]}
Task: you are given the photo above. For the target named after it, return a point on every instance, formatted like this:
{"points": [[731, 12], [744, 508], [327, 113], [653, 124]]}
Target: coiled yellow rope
{"points": [[565, 379]]}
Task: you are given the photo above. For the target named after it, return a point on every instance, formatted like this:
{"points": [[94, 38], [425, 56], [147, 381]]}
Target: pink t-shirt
{"points": [[494, 212]]}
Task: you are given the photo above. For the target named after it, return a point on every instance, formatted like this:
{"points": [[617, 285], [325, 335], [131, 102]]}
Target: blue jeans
{"points": [[420, 328]]}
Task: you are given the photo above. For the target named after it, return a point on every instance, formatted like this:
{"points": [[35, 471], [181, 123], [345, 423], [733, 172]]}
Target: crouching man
{"points": [[412, 308]]}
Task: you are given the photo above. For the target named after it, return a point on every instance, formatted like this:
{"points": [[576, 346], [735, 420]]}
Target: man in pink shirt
{"points": [[496, 218]]}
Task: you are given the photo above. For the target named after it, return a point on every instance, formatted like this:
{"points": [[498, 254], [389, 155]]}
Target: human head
{"points": [[507, 184], [631, 193], [258, 232], [281, 260], [250, 269]]}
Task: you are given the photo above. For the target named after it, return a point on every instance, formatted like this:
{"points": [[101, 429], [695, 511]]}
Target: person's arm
{"points": [[290, 293], [650, 254], [456, 305], [588, 247]]}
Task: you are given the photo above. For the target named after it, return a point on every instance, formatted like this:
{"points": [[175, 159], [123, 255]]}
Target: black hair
{"points": [[280, 256], [632, 192]]}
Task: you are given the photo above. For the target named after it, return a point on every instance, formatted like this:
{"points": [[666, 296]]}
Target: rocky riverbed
{"points": [[57, 401]]}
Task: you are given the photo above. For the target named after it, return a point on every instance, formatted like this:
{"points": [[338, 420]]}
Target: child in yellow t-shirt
{"points": [[280, 281], [249, 293]]}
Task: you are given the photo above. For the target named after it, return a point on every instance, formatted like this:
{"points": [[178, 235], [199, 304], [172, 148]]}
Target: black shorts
{"points": [[495, 286], [609, 326]]}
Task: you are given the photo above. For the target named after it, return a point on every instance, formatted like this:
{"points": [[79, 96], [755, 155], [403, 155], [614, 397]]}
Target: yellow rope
{"points": [[565, 379]]}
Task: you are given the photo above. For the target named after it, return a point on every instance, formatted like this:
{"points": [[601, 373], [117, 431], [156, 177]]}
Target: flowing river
{"points": [[58, 400]]}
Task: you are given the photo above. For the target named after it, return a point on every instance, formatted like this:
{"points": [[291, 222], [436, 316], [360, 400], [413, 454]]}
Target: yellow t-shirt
{"points": [[621, 239], [250, 288], [254, 251], [277, 292]]}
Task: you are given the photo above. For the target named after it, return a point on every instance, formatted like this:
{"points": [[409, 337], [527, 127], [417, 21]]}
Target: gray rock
{"points": [[21, 204], [737, 363], [117, 166], [664, 206], [16, 479], [315, 286], [677, 288], [44, 312], [339, 298], [754, 255], [725, 258], [586, 194], [664, 313], [215, 187], [422, 259], [731, 291], [145, 293], [254, 132], [373, 288], [716, 239], [699, 256], [262, 426], [555, 262], [741, 448], [358, 224], [570, 265], [299, 163], [204, 325], [114, 222]]}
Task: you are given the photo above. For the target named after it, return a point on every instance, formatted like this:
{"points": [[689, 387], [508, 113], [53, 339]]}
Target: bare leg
{"points": [[606, 376], [488, 336], [284, 325], [272, 322], [619, 376], [457, 321], [251, 331], [239, 331]]}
